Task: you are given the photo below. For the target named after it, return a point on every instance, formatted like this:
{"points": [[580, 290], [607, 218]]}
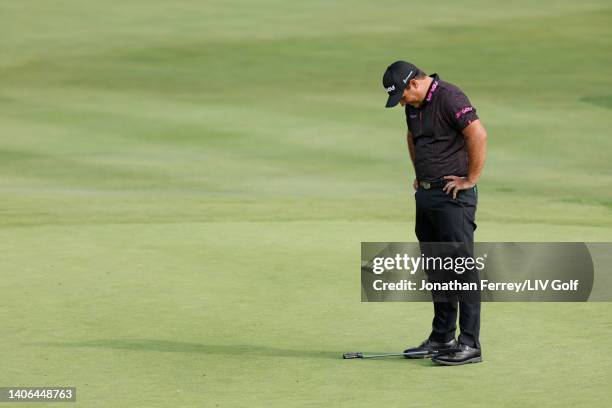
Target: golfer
{"points": [[447, 146]]}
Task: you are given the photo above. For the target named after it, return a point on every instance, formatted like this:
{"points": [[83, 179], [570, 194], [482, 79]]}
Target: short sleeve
{"points": [[459, 111]]}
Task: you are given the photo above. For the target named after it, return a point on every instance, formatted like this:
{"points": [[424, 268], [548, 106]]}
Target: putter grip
{"points": [[352, 355]]}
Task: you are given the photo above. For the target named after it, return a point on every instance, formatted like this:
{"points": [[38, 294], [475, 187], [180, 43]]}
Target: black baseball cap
{"points": [[396, 79]]}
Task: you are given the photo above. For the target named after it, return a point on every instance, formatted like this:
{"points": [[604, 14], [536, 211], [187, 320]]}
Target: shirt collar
{"points": [[431, 90]]}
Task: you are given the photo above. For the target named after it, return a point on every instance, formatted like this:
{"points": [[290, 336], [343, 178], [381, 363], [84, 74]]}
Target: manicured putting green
{"points": [[185, 186]]}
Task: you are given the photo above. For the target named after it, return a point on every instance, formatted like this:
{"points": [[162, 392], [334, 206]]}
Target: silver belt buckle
{"points": [[426, 185]]}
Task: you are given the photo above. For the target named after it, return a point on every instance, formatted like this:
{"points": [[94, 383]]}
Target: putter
{"points": [[351, 355]]}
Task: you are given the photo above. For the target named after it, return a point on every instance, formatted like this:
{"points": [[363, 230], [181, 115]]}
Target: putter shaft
{"points": [[353, 355]]}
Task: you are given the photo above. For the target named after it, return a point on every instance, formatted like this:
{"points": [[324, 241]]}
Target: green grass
{"points": [[185, 187]]}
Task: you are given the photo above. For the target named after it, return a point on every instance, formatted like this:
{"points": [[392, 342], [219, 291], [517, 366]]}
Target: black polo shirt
{"points": [[436, 128]]}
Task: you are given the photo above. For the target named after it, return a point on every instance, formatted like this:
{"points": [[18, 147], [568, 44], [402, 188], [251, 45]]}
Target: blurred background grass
{"points": [[180, 181]]}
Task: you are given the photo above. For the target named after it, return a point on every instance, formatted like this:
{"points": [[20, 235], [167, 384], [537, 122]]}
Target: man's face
{"points": [[411, 94]]}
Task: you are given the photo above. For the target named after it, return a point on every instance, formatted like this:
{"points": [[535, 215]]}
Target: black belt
{"points": [[427, 185]]}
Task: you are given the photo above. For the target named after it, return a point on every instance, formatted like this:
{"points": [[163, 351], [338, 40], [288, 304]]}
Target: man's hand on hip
{"points": [[455, 184]]}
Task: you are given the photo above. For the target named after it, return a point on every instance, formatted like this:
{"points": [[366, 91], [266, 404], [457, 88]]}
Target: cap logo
{"points": [[405, 80], [391, 88]]}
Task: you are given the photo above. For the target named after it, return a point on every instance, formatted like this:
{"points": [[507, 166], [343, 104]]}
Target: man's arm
{"points": [[410, 140], [476, 143]]}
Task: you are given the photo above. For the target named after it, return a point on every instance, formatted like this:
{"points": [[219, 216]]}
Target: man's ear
{"points": [[414, 83]]}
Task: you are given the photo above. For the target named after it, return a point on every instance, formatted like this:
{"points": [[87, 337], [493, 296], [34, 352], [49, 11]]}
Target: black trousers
{"points": [[440, 218]]}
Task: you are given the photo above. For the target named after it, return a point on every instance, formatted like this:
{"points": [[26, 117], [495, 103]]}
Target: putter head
{"points": [[352, 355]]}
